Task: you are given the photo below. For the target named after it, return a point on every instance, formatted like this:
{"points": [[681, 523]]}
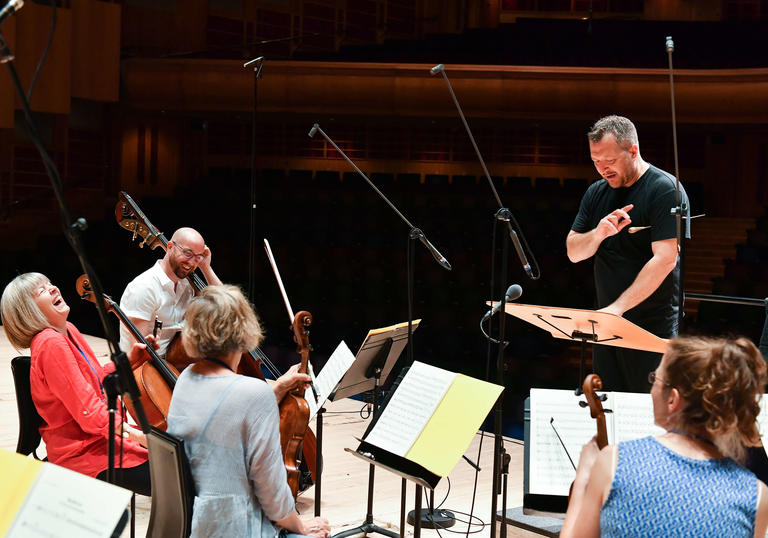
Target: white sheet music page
{"points": [[66, 503], [762, 422], [550, 470], [633, 417], [338, 364], [410, 408]]}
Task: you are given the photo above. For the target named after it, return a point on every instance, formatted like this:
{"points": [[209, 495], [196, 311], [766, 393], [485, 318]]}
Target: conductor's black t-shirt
{"points": [[621, 257]]}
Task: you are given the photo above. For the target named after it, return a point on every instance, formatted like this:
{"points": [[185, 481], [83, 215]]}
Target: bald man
{"points": [[163, 291]]}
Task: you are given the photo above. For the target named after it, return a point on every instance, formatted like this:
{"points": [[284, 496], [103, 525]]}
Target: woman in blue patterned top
{"points": [[686, 482]]}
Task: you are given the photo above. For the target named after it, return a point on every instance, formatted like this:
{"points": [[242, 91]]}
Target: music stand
{"points": [[359, 377], [587, 326], [373, 363], [583, 326]]}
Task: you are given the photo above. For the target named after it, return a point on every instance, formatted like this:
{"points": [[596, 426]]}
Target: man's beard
{"points": [[178, 270]]}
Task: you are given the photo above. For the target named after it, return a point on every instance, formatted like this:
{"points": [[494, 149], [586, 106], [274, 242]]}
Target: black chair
{"points": [[173, 491], [29, 419]]}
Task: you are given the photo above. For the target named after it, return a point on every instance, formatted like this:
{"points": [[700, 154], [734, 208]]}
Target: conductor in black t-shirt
{"points": [[637, 275]]}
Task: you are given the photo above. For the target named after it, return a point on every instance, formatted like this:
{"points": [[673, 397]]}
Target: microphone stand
{"points": [[680, 211], [413, 235], [121, 381], [502, 215], [259, 64]]}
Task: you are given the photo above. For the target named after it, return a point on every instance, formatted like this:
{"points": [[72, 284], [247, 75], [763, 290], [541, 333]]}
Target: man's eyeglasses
{"points": [[187, 253], [652, 377]]}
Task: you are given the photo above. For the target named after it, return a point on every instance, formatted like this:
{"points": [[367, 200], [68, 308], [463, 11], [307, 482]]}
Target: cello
{"points": [[294, 410], [155, 378], [130, 217]]}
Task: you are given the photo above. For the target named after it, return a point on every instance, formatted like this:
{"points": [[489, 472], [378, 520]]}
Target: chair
{"points": [[29, 419], [173, 491]]}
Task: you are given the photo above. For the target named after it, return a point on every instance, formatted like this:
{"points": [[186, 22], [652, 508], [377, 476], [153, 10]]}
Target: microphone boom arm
{"points": [[415, 232]]}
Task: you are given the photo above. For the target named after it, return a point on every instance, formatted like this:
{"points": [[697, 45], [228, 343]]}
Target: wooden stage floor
{"points": [[344, 484]]}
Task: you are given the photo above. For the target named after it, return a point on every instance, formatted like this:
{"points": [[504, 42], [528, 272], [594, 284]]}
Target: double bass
{"points": [[155, 377]]}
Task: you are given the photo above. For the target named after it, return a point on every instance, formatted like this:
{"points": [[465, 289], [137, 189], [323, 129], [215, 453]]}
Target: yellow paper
{"points": [[456, 420], [19, 473]]}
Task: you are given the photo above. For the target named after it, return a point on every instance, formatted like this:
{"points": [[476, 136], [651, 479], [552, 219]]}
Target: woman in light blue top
{"points": [[686, 482], [230, 425]]}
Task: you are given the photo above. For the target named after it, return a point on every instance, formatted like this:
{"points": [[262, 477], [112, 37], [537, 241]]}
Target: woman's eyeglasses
{"points": [[652, 377]]}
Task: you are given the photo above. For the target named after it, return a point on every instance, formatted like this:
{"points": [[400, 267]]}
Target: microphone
{"points": [[249, 62], [435, 70], [313, 130], [439, 258], [10, 8], [670, 44], [520, 254], [513, 292]]}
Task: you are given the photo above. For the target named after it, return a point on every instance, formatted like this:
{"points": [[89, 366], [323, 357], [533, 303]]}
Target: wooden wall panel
{"points": [[96, 50], [52, 90], [702, 96], [7, 92]]}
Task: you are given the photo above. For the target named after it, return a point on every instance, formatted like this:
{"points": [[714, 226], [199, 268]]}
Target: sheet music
{"points": [[550, 471], [335, 368], [410, 408], [66, 503], [762, 422], [633, 418]]}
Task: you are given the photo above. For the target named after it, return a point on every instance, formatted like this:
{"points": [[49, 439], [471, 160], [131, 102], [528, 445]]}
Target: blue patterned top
{"points": [[658, 492]]}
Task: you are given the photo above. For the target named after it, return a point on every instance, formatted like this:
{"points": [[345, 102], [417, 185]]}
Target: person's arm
{"points": [[207, 270], [590, 489], [648, 279], [316, 526], [582, 246], [761, 519], [64, 378]]}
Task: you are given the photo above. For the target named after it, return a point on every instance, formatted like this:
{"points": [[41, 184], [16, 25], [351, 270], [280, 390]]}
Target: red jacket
{"points": [[68, 395]]}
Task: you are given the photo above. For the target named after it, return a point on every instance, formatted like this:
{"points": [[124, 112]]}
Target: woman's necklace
{"points": [[220, 363]]}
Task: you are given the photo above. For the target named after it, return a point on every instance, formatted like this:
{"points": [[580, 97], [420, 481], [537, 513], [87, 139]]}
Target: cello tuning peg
{"points": [[603, 397], [583, 404]]}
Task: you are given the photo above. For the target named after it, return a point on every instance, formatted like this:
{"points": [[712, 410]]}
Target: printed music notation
{"points": [[550, 470]]}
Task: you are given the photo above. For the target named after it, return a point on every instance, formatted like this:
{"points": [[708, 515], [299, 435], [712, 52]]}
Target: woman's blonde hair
{"points": [[721, 381], [22, 318], [218, 321]]}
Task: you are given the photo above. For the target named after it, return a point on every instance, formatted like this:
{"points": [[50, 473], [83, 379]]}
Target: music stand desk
{"points": [[587, 326]]}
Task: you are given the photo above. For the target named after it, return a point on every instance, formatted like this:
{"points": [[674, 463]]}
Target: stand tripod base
{"points": [[367, 528], [433, 519]]}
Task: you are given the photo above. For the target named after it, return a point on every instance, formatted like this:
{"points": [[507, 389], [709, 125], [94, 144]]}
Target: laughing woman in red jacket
{"points": [[66, 385]]}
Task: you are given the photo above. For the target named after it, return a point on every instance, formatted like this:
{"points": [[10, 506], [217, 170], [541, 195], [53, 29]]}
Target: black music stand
{"points": [[373, 363]]}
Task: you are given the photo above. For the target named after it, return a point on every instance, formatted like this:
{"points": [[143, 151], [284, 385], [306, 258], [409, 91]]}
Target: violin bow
{"points": [[288, 308]]}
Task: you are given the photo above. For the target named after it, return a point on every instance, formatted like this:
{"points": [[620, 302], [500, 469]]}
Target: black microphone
{"points": [[10, 8], [439, 258], [435, 70], [313, 130], [513, 292], [520, 254]]}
